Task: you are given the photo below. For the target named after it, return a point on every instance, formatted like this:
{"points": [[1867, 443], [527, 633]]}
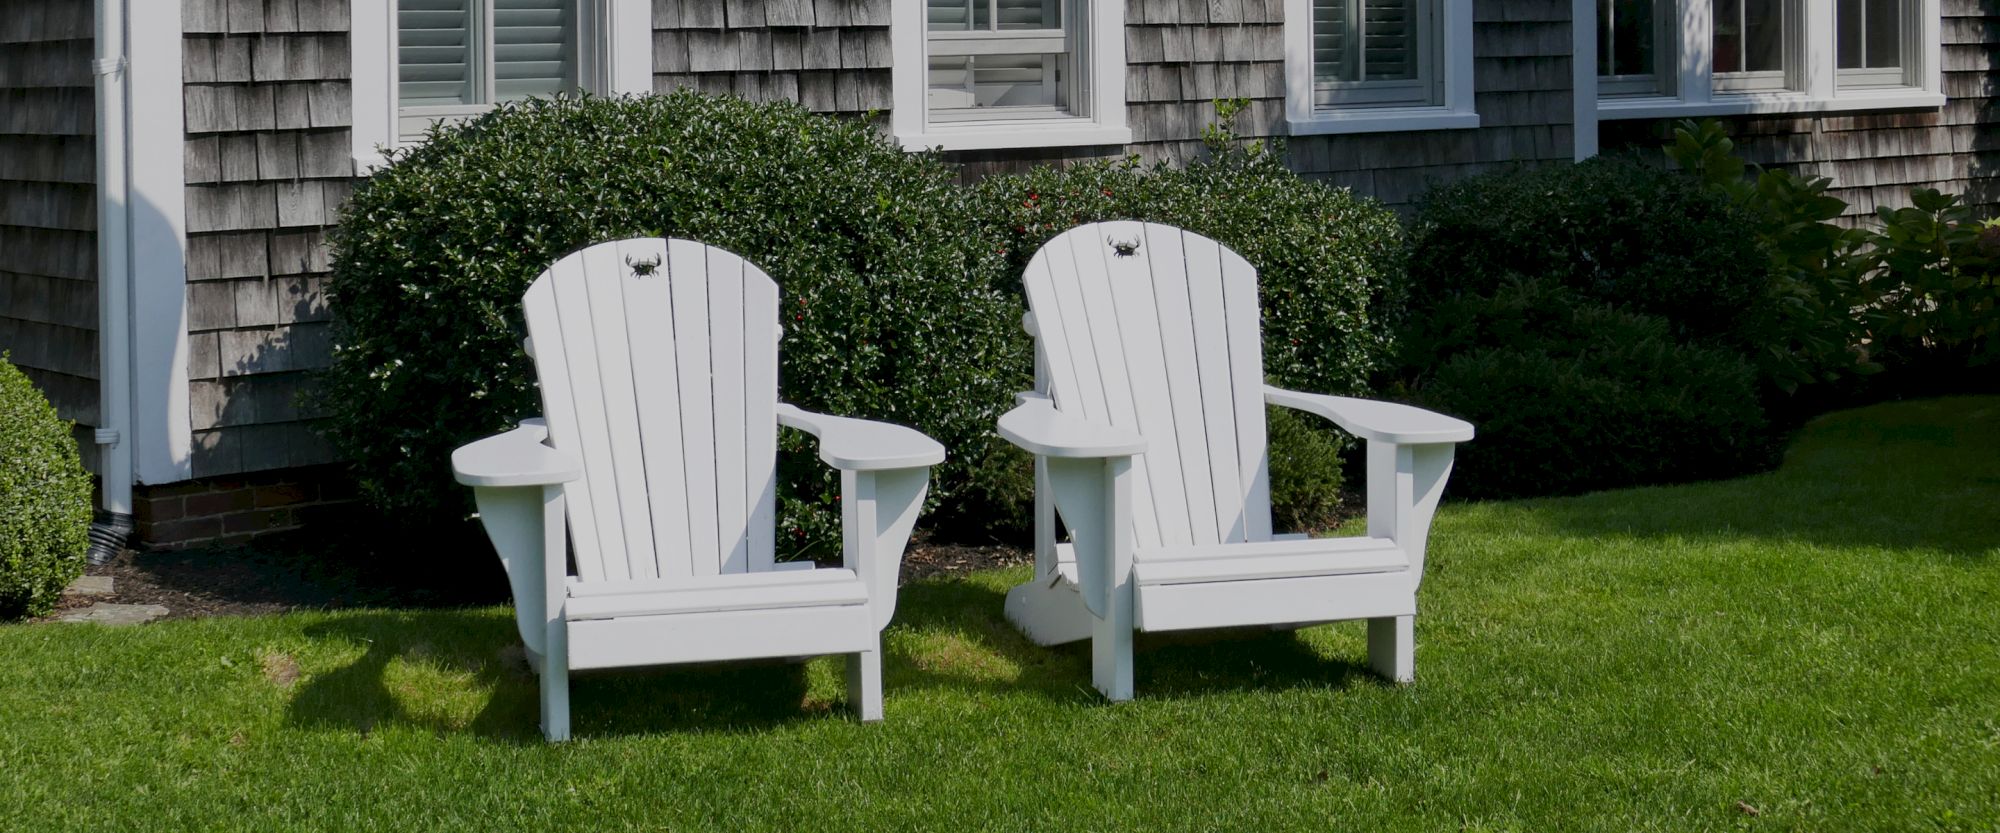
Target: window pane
{"points": [[1625, 47], [979, 15], [1849, 29], [1365, 40], [1885, 33], [1764, 35], [434, 53], [1728, 47], [973, 82], [531, 48]]}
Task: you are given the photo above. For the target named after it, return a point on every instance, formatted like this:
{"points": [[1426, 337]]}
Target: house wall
{"points": [[48, 203], [269, 161], [1876, 159], [832, 56]]}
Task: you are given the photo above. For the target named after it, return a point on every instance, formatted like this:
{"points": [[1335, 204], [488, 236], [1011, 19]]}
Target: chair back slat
{"points": [[1156, 330], [658, 366]]}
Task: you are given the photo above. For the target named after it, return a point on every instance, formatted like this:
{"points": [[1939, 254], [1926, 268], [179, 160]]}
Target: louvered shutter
{"points": [[532, 48], [435, 52], [1330, 40], [1389, 40]]}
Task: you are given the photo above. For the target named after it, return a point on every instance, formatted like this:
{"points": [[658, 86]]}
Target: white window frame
{"points": [[1451, 31], [1882, 77], [616, 58], [1099, 89], [1813, 84]]}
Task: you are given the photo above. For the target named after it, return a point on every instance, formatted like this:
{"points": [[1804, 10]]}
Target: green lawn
{"points": [[1813, 649]]}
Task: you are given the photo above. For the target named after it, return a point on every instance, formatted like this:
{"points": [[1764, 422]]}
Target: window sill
{"points": [[1654, 107], [1023, 134], [1382, 120]]}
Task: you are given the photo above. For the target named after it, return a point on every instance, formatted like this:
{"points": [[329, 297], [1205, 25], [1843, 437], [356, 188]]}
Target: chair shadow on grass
{"points": [[462, 671], [963, 626]]}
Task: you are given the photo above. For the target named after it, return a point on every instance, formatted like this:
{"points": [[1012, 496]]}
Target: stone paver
{"points": [[105, 613], [90, 586]]}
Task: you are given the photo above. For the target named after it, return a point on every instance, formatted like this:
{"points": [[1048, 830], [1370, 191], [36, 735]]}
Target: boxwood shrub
{"points": [[891, 304], [1571, 395], [44, 500], [1601, 323], [1612, 229], [1329, 264]]}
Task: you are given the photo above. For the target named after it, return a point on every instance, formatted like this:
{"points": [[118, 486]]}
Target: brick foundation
{"points": [[233, 510]]}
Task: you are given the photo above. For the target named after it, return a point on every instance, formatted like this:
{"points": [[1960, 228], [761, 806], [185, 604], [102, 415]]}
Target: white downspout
{"points": [[114, 286]]}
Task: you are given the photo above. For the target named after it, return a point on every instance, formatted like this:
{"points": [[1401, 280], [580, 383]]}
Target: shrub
{"points": [[1611, 229], [1329, 267], [1813, 334], [44, 500], [1572, 396], [1938, 274], [893, 312]]}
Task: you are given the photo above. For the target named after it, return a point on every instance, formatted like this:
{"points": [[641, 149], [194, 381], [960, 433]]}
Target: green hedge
{"points": [[893, 307], [44, 500], [1603, 324], [1329, 264]]}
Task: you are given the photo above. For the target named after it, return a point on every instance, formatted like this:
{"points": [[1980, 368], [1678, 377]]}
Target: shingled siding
{"points": [[48, 206], [268, 163], [1181, 55], [1521, 82], [832, 56], [1875, 159]]}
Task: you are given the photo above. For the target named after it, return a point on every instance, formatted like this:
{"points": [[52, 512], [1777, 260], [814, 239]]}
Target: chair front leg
{"points": [[1405, 483], [1094, 496], [878, 511]]}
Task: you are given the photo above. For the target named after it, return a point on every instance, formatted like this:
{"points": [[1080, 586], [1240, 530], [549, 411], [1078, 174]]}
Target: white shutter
{"points": [[533, 53], [1389, 40], [435, 52], [1330, 40]]}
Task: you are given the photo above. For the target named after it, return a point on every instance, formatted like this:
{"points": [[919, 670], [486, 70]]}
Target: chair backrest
{"points": [[1156, 330], [658, 362]]}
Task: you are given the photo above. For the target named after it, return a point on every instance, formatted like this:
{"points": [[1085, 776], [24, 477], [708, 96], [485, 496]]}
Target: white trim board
{"points": [[909, 115], [157, 212]]}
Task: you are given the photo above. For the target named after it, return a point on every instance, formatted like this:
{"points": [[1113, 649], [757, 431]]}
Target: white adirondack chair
{"points": [[653, 470], [1148, 432]]}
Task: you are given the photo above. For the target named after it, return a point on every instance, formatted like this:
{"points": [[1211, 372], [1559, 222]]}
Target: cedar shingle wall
{"points": [[269, 161], [48, 206], [830, 55], [1875, 159], [1181, 55]]}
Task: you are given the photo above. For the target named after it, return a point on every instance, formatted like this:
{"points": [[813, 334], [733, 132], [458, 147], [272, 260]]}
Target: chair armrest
{"points": [[515, 458], [863, 445], [1373, 420], [1038, 428]]}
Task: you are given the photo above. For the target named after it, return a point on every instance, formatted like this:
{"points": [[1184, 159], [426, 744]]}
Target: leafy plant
{"points": [[1939, 280], [1816, 328], [890, 299], [44, 500]]}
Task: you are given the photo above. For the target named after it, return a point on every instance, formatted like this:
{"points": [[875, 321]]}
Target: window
{"points": [[456, 58], [1356, 66], [1009, 73], [417, 62], [1660, 58], [1874, 44], [1629, 58], [1373, 52]]}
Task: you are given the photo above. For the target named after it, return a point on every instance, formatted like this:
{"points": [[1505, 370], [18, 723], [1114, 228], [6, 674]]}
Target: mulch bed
{"points": [[297, 572]]}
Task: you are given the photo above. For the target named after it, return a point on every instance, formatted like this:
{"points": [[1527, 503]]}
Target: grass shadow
{"points": [[954, 635], [463, 671], [1906, 475]]}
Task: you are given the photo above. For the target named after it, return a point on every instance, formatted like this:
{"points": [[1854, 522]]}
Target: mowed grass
{"points": [[1813, 649]]}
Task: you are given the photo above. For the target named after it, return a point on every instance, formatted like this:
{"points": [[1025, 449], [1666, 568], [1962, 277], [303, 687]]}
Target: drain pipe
{"points": [[113, 524]]}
